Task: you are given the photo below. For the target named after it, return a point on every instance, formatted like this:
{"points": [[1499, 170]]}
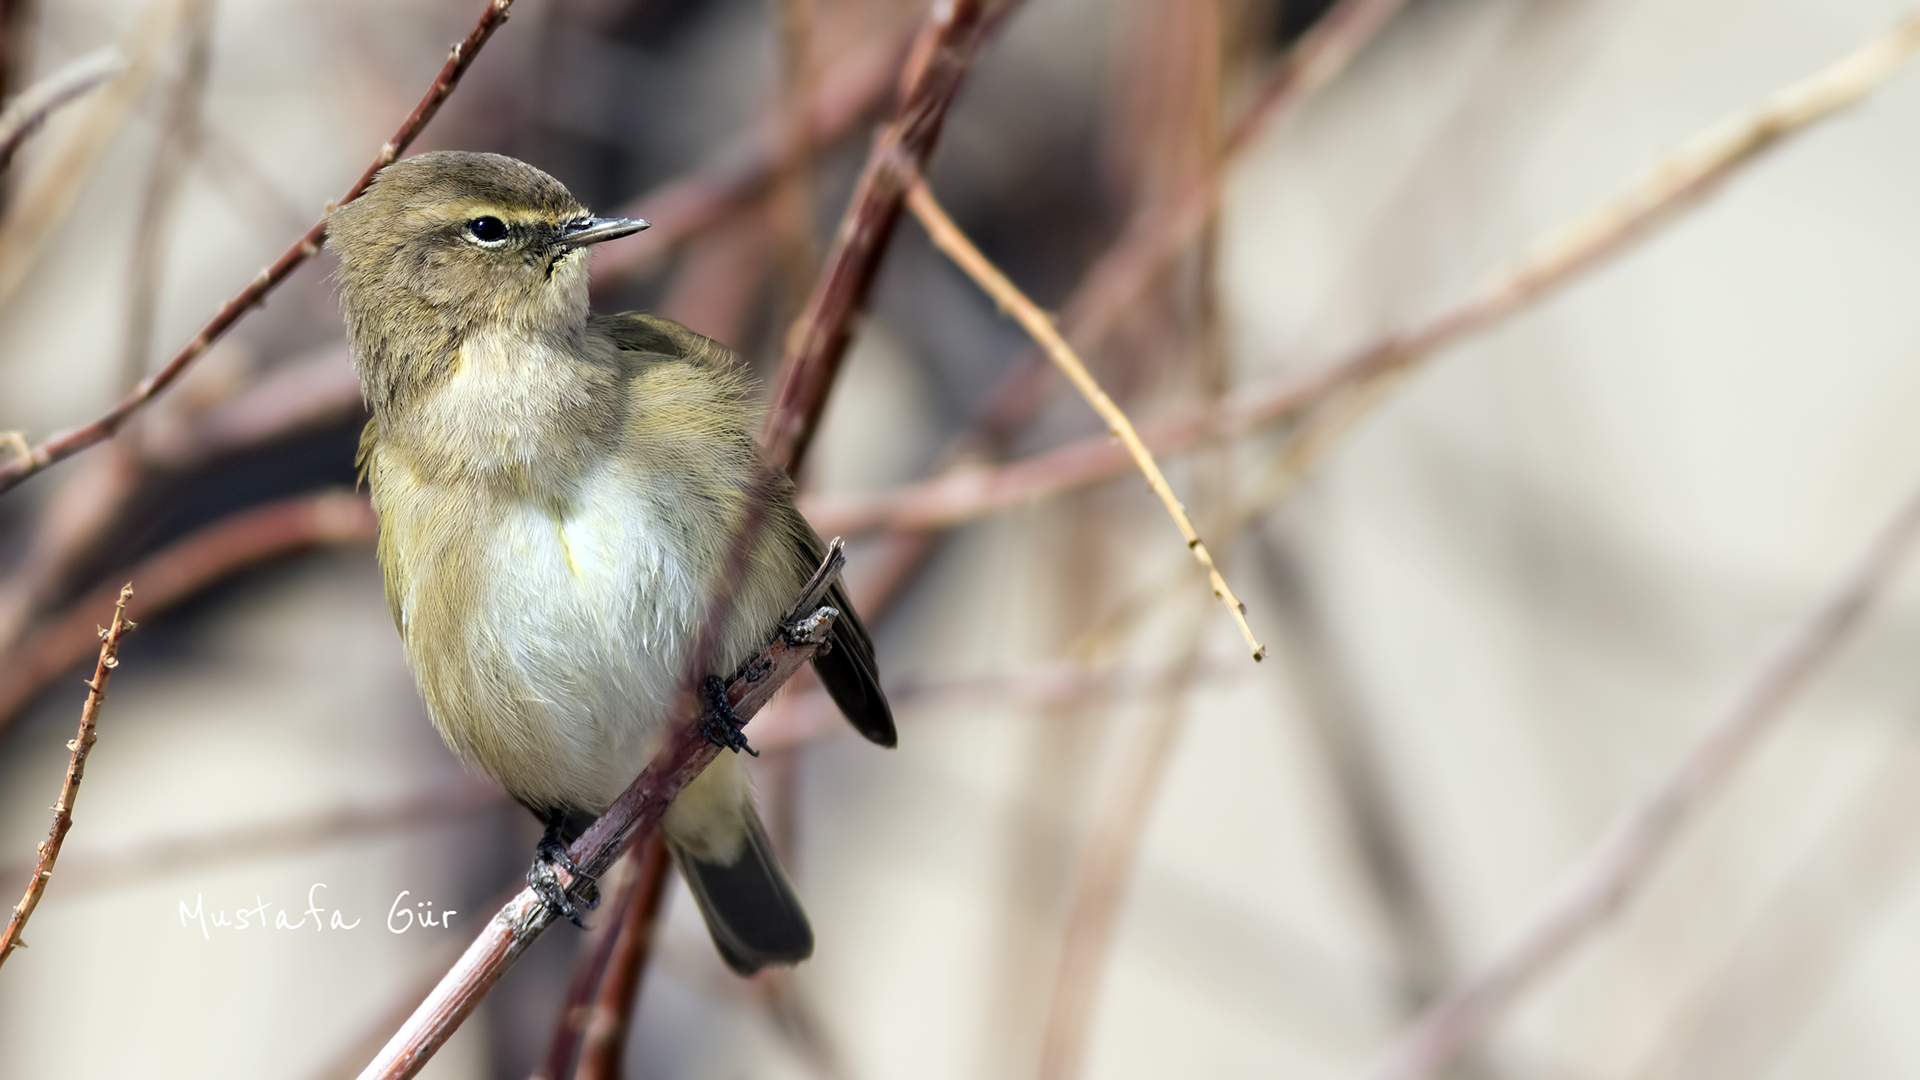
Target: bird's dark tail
{"points": [[749, 906]]}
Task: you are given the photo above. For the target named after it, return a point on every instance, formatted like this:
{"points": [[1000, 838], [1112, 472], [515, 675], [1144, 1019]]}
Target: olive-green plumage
{"points": [[557, 493]]}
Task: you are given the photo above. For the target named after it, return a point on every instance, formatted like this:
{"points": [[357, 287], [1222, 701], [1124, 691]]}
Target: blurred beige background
{"points": [[1502, 605]]}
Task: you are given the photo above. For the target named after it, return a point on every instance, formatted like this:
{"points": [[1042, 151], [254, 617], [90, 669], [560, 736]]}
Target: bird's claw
{"points": [[550, 855], [720, 724]]}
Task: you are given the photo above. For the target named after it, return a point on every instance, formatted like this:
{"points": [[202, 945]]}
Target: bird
{"points": [[557, 493]]}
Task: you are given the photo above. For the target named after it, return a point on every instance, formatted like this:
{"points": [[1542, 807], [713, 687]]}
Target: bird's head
{"points": [[449, 243]]}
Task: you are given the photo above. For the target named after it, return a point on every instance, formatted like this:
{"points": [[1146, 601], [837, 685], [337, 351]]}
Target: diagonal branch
{"points": [[1610, 872], [31, 107], [78, 749], [948, 238], [181, 570], [1562, 255], [632, 818], [948, 44], [65, 444]]}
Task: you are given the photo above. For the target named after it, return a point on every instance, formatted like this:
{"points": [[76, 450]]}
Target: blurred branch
{"points": [[182, 569], [95, 869], [688, 206], [79, 748], [1676, 184], [1320, 53], [30, 109], [948, 44], [178, 142], [1126, 270], [632, 818], [612, 1014], [68, 443], [948, 238], [1609, 874], [593, 954], [1100, 874]]}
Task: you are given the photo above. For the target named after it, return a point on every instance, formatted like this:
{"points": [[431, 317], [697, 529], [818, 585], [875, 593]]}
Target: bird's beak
{"points": [[583, 231]]}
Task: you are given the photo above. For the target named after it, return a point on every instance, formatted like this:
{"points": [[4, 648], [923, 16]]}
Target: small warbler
{"points": [[558, 492]]}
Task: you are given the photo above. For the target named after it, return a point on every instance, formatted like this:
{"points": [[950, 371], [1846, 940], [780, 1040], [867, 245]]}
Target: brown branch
{"points": [[94, 869], [1017, 394], [594, 953], [684, 208], [1559, 257], [29, 110], [949, 239], [1124, 271], [1610, 873], [612, 1013], [68, 443], [78, 749], [182, 569], [948, 44], [635, 815]]}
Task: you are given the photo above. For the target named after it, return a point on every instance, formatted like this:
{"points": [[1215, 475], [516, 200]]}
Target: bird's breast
{"points": [[548, 637]]}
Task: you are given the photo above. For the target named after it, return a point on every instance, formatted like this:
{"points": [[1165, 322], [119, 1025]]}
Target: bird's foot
{"points": [[720, 724], [548, 858]]}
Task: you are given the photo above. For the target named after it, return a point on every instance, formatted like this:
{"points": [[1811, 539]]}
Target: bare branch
{"points": [[1557, 258], [634, 816], [68, 443], [948, 238], [182, 569], [612, 1013], [31, 107], [695, 203], [81, 745], [948, 44], [1609, 874]]}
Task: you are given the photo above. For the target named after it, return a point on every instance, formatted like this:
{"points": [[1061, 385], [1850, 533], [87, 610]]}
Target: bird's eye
{"points": [[487, 229]]}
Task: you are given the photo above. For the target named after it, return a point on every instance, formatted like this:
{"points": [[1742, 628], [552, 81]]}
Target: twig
{"points": [[30, 109], [594, 953], [634, 815], [612, 1014], [68, 443], [695, 203], [94, 869], [184, 568], [948, 238], [1124, 271], [1105, 862], [1559, 257], [944, 53], [81, 745], [1609, 874], [178, 143]]}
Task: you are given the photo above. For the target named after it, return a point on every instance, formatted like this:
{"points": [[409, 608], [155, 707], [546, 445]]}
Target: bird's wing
{"points": [[847, 669]]}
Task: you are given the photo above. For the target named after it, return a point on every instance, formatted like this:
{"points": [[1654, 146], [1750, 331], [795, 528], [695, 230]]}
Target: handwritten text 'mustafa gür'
{"points": [[401, 916]]}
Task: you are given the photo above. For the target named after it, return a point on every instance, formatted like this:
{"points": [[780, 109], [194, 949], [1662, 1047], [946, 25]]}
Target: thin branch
{"points": [[1105, 862], [593, 954], [81, 745], [1613, 870], [612, 1014], [1124, 271], [1674, 185], [692, 204], [178, 143], [948, 238], [68, 443], [30, 109], [633, 816], [86, 869], [184, 568], [948, 44]]}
